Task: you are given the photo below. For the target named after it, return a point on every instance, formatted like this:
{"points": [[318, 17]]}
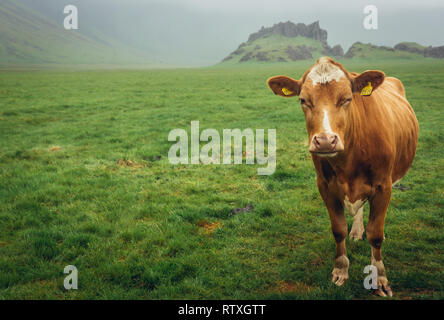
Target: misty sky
{"points": [[202, 32]]}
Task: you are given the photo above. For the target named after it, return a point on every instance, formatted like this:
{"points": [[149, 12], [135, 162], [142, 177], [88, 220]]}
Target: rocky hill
{"points": [[291, 30], [285, 41]]}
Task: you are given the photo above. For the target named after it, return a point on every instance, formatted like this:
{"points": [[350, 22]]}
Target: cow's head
{"points": [[326, 92]]}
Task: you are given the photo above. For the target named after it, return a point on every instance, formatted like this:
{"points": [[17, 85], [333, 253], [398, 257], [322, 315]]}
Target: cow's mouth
{"points": [[327, 154]]}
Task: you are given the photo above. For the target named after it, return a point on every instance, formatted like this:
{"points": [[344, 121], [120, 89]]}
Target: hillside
{"points": [[413, 47], [403, 50], [27, 37], [370, 51], [283, 42]]}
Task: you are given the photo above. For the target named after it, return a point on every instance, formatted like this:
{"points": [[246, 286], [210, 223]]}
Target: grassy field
{"points": [[85, 181]]}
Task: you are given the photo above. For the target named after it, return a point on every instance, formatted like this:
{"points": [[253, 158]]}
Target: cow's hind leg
{"points": [[357, 229], [375, 235]]}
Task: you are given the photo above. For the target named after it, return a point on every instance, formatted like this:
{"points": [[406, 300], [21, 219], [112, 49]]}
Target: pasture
{"points": [[85, 181]]}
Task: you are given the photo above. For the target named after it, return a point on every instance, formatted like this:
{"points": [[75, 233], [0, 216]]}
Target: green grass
{"points": [[158, 231]]}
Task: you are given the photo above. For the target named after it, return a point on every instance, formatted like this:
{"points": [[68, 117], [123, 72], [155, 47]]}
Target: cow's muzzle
{"points": [[326, 144]]}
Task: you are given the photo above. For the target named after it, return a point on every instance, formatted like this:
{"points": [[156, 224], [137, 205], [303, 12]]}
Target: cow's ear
{"points": [[285, 86], [367, 81]]}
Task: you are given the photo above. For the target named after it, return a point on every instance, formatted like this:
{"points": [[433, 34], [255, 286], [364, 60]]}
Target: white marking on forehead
{"points": [[326, 123], [324, 72]]}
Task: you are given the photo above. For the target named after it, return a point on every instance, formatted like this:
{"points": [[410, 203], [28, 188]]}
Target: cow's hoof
{"points": [[356, 234], [339, 276], [384, 289], [340, 271]]}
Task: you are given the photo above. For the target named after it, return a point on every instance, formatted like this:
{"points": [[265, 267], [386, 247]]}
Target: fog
{"points": [[202, 32]]}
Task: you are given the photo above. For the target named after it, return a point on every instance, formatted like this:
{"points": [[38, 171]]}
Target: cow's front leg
{"points": [[339, 229], [375, 234]]}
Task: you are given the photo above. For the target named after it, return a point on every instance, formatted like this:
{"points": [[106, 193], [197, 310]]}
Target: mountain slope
{"points": [[173, 35], [27, 37]]}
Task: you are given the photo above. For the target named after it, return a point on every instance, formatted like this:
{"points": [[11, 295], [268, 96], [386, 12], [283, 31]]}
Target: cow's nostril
{"points": [[335, 140], [316, 141]]}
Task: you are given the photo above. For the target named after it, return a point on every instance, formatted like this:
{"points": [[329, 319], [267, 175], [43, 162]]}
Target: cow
{"points": [[363, 135]]}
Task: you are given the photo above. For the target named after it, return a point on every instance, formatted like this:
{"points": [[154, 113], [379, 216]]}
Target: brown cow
{"points": [[362, 141]]}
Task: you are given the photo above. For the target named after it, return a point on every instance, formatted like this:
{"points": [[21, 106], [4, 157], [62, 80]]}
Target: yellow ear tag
{"points": [[367, 90], [286, 91]]}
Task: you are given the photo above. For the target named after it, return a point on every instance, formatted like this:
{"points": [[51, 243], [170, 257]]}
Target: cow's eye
{"points": [[344, 102], [304, 103]]}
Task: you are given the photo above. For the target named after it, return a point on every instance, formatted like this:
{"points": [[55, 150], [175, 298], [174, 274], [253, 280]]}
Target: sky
{"points": [[203, 32]]}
